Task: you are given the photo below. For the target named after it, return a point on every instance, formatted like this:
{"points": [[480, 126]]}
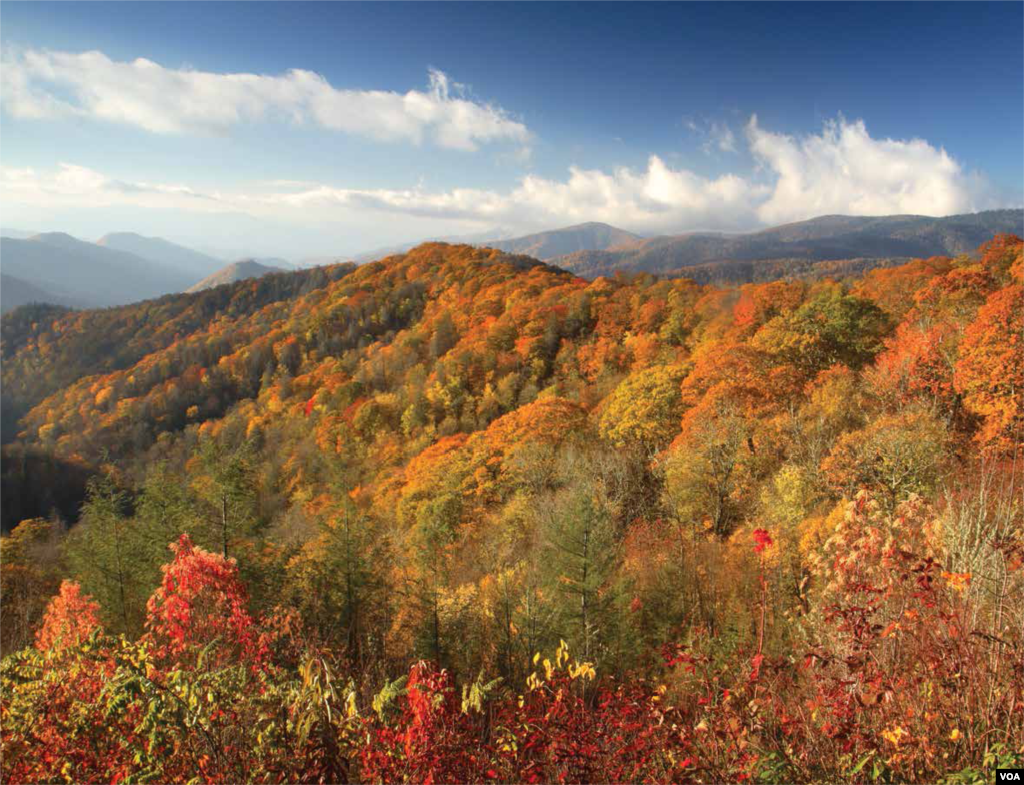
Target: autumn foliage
{"points": [[458, 516]]}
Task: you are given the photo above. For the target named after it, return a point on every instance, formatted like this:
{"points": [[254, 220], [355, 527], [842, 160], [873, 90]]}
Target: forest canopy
{"points": [[463, 516]]}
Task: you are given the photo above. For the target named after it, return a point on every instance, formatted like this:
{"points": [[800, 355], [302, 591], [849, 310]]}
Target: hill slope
{"points": [[477, 458], [237, 271], [45, 348], [91, 274], [162, 251], [819, 239]]}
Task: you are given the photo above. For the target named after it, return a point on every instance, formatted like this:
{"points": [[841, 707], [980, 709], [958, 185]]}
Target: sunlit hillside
{"points": [[461, 516]]}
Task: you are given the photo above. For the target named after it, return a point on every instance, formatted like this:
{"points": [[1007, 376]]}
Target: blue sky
{"points": [[655, 117]]}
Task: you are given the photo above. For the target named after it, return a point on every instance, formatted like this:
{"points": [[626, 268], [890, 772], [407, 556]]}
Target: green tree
{"points": [[228, 487], [833, 327], [435, 532], [109, 557], [334, 581], [579, 558]]}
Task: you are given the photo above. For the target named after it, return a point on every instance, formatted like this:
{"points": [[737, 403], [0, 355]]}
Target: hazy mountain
{"points": [[277, 261], [162, 251], [90, 274], [826, 238], [559, 242], [238, 271], [15, 292]]}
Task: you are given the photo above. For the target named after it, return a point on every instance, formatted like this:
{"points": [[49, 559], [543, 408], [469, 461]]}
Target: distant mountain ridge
{"points": [[163, 251], [237, 271], [830, 237], [591, 236], [540, 245], [90, 274], [124, 267]]}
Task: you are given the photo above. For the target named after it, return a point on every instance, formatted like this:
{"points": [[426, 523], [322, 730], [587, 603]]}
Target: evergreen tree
{"points": [[228, 486], [108, 556], [580, 556]]}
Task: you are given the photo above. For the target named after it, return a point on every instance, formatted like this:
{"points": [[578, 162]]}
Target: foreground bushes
{"points": [[894, 683]]}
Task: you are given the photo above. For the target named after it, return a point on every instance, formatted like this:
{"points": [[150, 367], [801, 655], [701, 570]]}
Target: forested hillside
{"points": [[47, 347], [462, 516]]}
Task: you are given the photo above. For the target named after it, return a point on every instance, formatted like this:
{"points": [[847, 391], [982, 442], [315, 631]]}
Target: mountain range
{"points": [[830, 237], [125, 267], [119, 268], [590, 236], [159, 250], [88, 273]]}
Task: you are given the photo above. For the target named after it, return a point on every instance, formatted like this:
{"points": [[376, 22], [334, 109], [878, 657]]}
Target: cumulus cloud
{"points": [[841, 170], [653, 199], [844, 170], [44, 84]]}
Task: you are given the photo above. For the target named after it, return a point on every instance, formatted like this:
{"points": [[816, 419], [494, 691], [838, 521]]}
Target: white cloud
{"points": [[844, 170], [723, 137], [717, 136], [70, 185], [840, 170], [655, 199], [720, 136], [44, 84], [658, 198]]}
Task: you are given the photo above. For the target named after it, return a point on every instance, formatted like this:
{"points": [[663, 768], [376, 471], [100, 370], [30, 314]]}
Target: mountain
{"points": [[541, 245], [446, 450], [238, 271], [163, 251], [571, 239], [829, 237], [99, 341], [91, 274], [15, 292], [284, 264], [490, 238]]}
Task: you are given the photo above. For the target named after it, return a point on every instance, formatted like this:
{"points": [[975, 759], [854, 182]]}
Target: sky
{"points": [[320, 129]]}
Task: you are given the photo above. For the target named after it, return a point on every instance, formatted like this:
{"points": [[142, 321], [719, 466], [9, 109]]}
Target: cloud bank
{"points": [[46, 85], [842, 169]]}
